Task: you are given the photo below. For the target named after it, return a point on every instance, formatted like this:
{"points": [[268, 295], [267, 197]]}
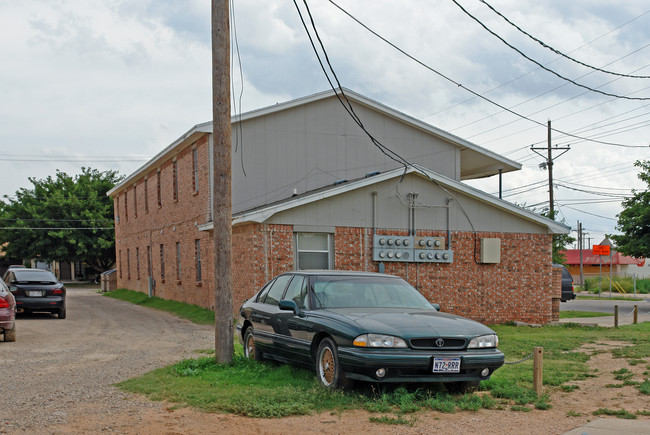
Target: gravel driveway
{"points": [[56, 366]]}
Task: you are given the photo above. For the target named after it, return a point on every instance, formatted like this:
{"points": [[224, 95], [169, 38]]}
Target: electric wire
{"points": [[460, 85], [542, 65], [558, 52], [238, 114]]}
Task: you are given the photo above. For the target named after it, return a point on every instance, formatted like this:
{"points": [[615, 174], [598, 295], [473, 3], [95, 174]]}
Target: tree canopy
{"points": [[65, 218], [634, 220]]}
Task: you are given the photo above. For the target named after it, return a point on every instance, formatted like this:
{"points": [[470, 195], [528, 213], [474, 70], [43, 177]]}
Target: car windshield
{"points": [[366, 292], [34, 275]]}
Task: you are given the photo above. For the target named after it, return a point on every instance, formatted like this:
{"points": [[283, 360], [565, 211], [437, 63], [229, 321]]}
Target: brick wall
{"points": [[522, 287]]}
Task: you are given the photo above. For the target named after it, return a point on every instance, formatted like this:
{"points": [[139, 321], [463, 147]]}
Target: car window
{"points": [[262, 294], [297, 292], [34, 275], [276, 290]]}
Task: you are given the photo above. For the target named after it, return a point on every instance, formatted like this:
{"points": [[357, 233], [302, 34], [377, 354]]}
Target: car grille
{"points": [[438, 343]]}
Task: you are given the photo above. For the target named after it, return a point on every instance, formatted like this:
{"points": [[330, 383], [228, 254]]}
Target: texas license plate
{"points": [[446, 365], [34, 294]]}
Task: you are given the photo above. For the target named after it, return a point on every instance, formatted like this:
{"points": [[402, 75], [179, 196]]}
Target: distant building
{"points": [[622, 265]]}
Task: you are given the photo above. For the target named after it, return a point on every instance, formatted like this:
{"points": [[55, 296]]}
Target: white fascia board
{"points": [[205, 127]]}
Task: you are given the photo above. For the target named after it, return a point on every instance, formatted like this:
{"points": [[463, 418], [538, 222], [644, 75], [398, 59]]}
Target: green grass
{"points": [[613, 298], [580, 314], [620, 413], [194, 313], [269, 390]]}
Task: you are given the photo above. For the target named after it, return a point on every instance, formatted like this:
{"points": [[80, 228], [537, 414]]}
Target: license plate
{"points": [[446, 365], [34, 294]]}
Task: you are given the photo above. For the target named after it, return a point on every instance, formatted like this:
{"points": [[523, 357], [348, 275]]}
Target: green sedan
{"points": [[367, 327]]}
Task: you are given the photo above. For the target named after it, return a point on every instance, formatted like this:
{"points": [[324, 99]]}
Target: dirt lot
{"points": [[63, 371]]}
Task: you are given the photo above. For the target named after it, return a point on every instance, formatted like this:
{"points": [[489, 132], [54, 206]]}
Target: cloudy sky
{"points": [[108, 84]]}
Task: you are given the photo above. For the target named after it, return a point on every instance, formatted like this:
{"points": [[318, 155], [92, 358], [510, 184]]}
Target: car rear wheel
{"points": [[328, 368], [250, 350], [10, 334], [462, 387], [61, 313]]}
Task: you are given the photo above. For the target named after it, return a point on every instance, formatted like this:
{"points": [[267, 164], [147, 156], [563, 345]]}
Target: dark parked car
{"points": [[7, 313], [367, 327], [567, 284], [36, 290]]}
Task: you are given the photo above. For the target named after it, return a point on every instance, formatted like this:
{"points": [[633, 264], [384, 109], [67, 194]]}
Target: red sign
{"points": [[600, 249]]}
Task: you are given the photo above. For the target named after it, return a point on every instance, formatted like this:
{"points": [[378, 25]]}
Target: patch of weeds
{"points": [[474, 402], [622, 374], [636, 361], [378, 406], [574, 414], [644, 387], [385, 419], [542, 403], [520, 408], [619, 413], [569, 388], [444, 403], [643, 413], [520, 395]]}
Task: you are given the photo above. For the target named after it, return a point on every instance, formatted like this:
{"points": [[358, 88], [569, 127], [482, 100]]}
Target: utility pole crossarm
{"points": [[549, 165]]}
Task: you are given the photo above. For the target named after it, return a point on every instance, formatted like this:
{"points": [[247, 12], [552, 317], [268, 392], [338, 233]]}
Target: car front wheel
{"points": [[328, 368]]}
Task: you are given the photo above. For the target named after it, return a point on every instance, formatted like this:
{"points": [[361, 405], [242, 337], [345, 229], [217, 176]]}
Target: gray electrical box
{"points": [[490, 250], [411, 249]]}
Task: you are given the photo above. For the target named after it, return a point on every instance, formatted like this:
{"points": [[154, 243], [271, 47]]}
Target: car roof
{"points": [[339, 273]]}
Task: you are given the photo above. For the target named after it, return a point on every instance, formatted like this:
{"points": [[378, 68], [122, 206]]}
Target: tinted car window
{"points": [[297, 291], [265, 290], [277, 289], [32, 275]]}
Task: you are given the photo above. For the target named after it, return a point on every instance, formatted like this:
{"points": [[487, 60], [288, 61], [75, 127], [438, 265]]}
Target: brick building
{"points": [[311, 191]]}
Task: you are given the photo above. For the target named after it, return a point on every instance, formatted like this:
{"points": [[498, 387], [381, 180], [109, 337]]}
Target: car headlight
{"points": [[378, 340], [484, 341]]}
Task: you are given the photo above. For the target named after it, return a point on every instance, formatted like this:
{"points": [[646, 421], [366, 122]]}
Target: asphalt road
{"points": [[606, 305]]}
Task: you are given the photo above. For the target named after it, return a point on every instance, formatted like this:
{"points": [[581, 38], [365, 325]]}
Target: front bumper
{"points": [[40, 304], [405, 365]]}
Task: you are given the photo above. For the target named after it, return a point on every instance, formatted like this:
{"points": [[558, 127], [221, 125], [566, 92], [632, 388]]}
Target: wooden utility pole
{"points": [[548, 164], [222, 187]]}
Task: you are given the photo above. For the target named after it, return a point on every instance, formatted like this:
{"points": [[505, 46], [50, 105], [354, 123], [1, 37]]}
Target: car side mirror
{"points": [[436, 306], [289, 305]]}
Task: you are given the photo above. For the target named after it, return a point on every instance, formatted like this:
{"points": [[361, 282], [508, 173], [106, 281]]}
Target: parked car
{"points": [[366, 327], [567, 284], [36, 290], [7, 313]]}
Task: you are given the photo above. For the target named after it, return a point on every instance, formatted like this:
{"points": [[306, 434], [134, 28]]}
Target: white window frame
{"points": [[330, 249]]}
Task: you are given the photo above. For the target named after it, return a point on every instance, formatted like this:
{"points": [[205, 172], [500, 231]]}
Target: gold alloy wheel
{"points": [[250, 346], [327, 366]]}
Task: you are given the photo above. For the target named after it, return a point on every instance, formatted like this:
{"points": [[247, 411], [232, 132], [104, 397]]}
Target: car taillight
{"points": [[4, 303], [57, 291]]}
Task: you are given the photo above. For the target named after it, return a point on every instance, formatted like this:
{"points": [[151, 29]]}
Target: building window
{"points": [[128, 264], [126, 204], [178, 261], [135, 201], [314, 251], [162, 261], [137, 263], [146, 196], [159, 190], [197, 258], [175, 179], [195, 170], [149, 265], [119, 258]]}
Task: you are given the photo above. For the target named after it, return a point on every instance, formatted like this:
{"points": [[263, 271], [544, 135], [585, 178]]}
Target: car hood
{"points": [[412, 323]]}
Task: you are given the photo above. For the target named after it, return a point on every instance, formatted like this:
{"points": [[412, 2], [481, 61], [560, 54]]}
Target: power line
{"points": [[460, 85], [544, 67], [543, 44]]}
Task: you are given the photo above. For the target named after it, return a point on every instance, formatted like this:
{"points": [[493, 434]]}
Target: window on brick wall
{"points": [[314, 251], [162, 261], [197, 259], [119, 259], [178, 261], [146, 196], [135, 201], [128, 264], [175, 180], [158, 188], [137, 263], [149, 265], [126, 204], [195, 169]]}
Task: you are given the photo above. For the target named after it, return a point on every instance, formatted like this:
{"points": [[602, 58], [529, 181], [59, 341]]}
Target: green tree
{"points": [[634, 220], [64, 218]]}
